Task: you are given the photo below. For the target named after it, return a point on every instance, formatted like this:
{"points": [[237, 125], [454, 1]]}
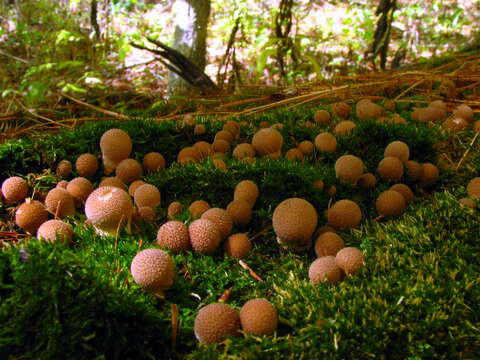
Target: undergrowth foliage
{"points": [[416, 297]]}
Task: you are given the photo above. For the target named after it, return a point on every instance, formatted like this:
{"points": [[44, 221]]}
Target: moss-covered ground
{"points": [[417, 297]]}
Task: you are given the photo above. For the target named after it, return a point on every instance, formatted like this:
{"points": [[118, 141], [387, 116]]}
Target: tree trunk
{"points": [[190, 39]]}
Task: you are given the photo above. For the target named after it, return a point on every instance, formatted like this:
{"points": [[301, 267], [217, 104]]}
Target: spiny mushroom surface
{"points": [[198, 207], [129, 170], [14, 189], [115, 145], [214, 322], [349, 259], [60, 203], [112, 181], [173, 235], [55, 230], [221, 218], [204, 236], [153, 270], [64, 168], [147, 195], [80, 188], [258, 317], [108, 208], [174, 209], [30, 215], [294, 220], [240, 211], [86, 165]]}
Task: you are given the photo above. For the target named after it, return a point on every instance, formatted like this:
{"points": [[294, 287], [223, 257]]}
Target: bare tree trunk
{"points": [[190, 39]]}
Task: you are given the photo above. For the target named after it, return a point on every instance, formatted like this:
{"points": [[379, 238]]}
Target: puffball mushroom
{"points": [[86, 165], [153, 161], [204, 148], [173, 235], [14, 189], [215, 322], [294, 154], [349, 259], [366, 109], [240, 211], [64, 168], [153, 270], [129, 170], [325, 269], [325, 142], [344, 214], [115, 145], [60, 203], [405, 191], [413, 171], [328, 244], [306, 147], [244, 150], [467, 202], [146, 213], [267, 141], [198, 207], [258, 317], [344, 127], [188, 152], [134, 186], [108, 208], [55, 230], [233, 127], [238, 245], [294, 220], [349, 168], [390, 168], [367, 181], [473, 188], [30, 215], [112, 181], [322, 117], [429, 175], [224, 135], [199, 130], [455, 124], [174, 209], [204, 236], [397, 149], [246, 190], [80, 188], [222, 146], [342, 110], [464, 111], [147, 195], [221, 218], [390, 203]]}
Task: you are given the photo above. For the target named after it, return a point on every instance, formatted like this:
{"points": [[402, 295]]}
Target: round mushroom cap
{"points": [[344, 127], [413, 171], [464, 111], [294, 220], [429, 175], [59, 202], [112, 181], [476, 126], [219, 164], [116, 145], [233, 127], [326, 142], [267, 141], [328, 244], [129, 170], [14, 189], [390, 169], [439, 104], [86, 165], [204, 236], [306, 147], [324, 269], [259, 317], [62, 184], [397, 149], [147, 195], [30, 215], [199, 130], [349, 259], [198, 207], [134, 186], [146, 213], [473, 188], [349, 168], [173, 235], [153, 270], [174, 209], [224, 135], [55, 230], [322, 117], [367, 181], [428, 114], [238, 245], [455, 124], [64, 168], [240, 211], [390, 105], [214, 322], [467, 202], [221, 218], [80, 188], [153, 161], [294, 154], [108, 208], [243, 150], [318, 184], [188, 152], [366, 109], [204, 148], [246, 190], [390, 203], [405, 190], [342, 110], [344, 214], [222, 146], [188, 120]]}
